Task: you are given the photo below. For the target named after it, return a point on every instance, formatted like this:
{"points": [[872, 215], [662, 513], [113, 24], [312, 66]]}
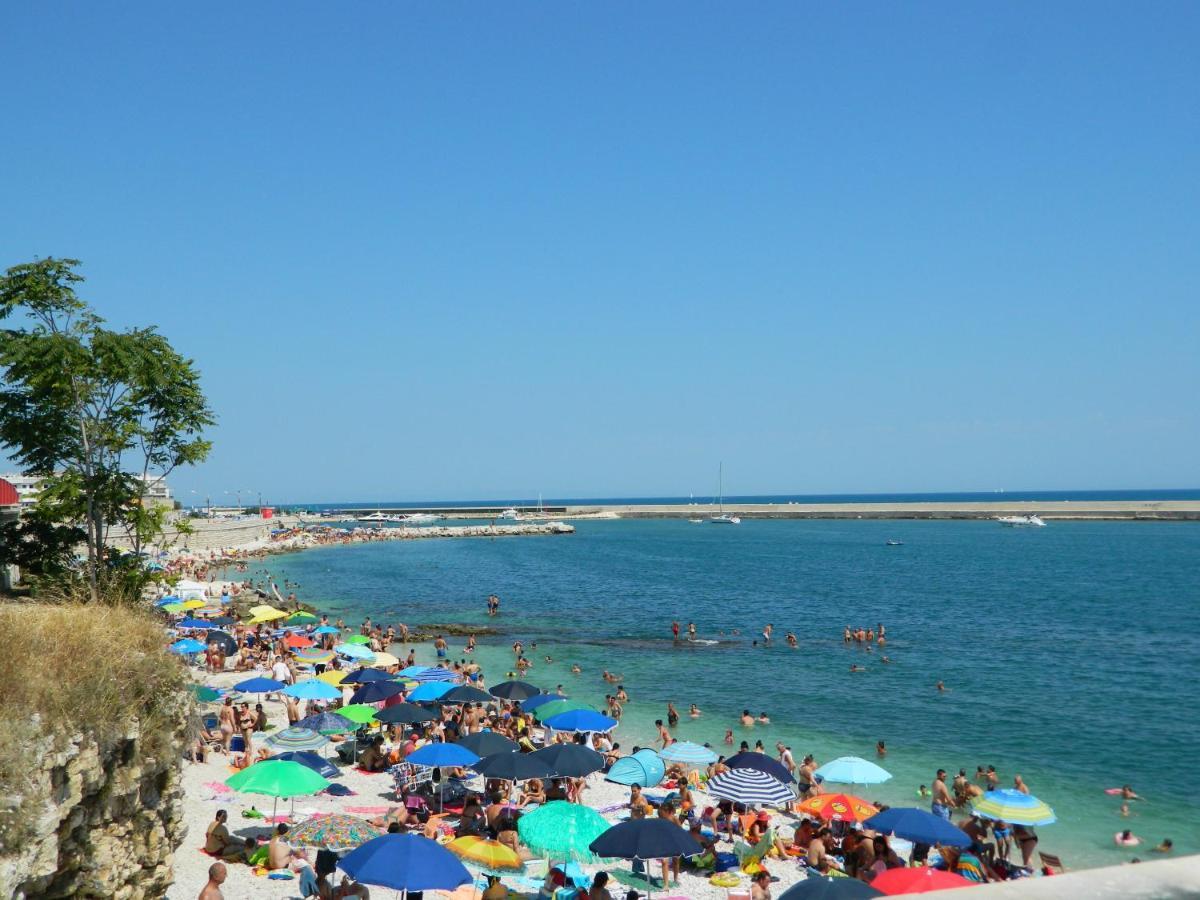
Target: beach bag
{"points": [[725, 862]]}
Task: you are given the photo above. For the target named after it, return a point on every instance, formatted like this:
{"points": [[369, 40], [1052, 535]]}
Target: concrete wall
{"points": [[1158, 878], [212, 534]]}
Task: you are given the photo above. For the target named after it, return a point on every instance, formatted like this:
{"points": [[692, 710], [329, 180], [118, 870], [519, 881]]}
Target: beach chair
{"points": [[1052, 862]]}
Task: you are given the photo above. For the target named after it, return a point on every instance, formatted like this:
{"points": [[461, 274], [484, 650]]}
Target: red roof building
{"points": [[8, 494]]}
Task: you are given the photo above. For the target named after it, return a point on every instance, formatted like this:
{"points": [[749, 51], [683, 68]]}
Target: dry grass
{"points": [[68, 669]]}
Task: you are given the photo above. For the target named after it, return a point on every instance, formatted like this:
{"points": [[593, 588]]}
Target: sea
{"points": [[1070, 654]]}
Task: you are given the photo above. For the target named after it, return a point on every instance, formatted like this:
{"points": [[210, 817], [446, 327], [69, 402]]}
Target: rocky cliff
{"points": [[103, 822]]}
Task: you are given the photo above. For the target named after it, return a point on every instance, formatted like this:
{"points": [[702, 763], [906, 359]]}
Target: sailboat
{"points": [[722, 518]]}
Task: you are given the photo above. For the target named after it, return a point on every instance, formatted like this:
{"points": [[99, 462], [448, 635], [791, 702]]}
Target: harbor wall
{"points": [[1155, 510]]}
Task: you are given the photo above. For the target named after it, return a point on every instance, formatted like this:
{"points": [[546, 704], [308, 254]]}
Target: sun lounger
{"points": [[1052, 862]]}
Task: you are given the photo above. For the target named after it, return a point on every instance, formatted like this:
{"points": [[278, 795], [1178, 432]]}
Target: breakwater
{"points": [[1153, 510]]}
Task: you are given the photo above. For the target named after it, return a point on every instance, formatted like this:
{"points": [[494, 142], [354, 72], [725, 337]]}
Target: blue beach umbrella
{"points": [[405, 862], [751, 787], [375, 692], [318, 764], [325, 629], [434, 674], [485, 743], [570, 760], [465, 693], [362, 676], [643, 768], [688, 753], [824, 887], [410, 671], [259, 686], [354, 651], [581, 720], [645, 839], [749, 759], [312, 689], [195, 623], [539, 700], [511, 766], [852, 770], [327, 723], [1012, 806], [442, 755], [514, 690], [918, 826], [430, 691], [167, 601], [186, 647]]}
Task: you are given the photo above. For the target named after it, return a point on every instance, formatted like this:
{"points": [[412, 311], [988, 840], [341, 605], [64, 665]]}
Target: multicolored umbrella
{"points": [[489, 854], [314, 655], [335, 832], [838, 808], [295, 738], [1013, 806], [562, 829]]}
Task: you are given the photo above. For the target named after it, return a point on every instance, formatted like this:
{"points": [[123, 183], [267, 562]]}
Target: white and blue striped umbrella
{"points": [[751, 787], [688, 753]]}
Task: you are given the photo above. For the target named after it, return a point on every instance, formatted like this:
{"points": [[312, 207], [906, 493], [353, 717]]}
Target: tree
{"points": [[89, 410]]}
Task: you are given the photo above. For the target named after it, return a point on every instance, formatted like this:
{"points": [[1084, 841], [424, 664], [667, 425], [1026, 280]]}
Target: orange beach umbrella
{"points": [[837, 808]]}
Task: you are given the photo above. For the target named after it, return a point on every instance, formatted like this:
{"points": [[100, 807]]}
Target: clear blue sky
{"points": [[486, 250]]}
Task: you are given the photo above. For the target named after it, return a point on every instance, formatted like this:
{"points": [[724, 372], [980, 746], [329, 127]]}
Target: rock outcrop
{"points": [[98, 821]]}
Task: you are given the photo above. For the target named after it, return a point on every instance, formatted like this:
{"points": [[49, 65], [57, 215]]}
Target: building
{"points": [[27, 487], [155, 492], [10, 509]]}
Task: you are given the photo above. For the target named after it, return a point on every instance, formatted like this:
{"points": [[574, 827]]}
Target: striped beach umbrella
{"points": [[296, 739], [853, 770], [435, 674], [1012, 806], [751, 787], [688, 753], [314, 655]]}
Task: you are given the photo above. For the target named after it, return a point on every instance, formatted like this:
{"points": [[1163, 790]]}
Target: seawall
{"points": [[1155, 510]]}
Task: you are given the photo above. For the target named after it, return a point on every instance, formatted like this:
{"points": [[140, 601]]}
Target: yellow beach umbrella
{"points": [[192, 604], [332, 676], [383, 660], [490, 854], [267, 615]]}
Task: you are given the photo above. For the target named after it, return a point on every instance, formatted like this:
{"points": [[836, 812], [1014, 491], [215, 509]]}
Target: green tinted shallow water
{"points": [[1070, 652]]}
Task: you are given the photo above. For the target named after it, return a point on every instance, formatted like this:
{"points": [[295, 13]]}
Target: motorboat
{"points": [[509, 514], [376, 517], [895, 543], [725, 519], [1021, 521], [419, 519]]}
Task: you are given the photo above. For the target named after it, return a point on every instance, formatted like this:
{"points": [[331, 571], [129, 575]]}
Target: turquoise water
{"points": [[1070, 652]]}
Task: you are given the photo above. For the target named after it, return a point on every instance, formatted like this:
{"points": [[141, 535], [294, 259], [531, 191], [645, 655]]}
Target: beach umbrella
{"points": [[837, 808], [465, 693], [404, 714], [335, 832], [562, 829], [167, 601], [376, 692], [918, 826], [354, 651], [410, 671], [405, 862], [852, 770], [437, 755], [540, 700], [489, 854], [748, 759], [314, 655], [642, 768], [385, 659], [300, 617], [222, 621], [186, 647], [327, 723], [1013, 807], [224, 641], [645, 839], [325, 629], [259, 686], [429, 692], [357, 712], [296, 738], [277, 778], [688, 753], [268, 614], [485, 743], [297, 641], [318, 764], [364, 675], [173, 608], [435, 674], [514, 690], [570, 760], [920, 880], [825, 887], [358, 639], [333, 676], [263, 608], [580, 720], [193, 623], [194, 603], [511, 766], [312, 689], [751, 787], [545, 711], [204, 694]]}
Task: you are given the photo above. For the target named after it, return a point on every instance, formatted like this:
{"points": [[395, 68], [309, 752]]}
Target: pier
{"points": [[1141, 510]]}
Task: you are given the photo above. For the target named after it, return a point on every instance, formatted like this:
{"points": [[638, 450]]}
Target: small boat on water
{"points": [[418, 519], [895, 543], [509, 514], [696, 521], [1021, 521], [379, 518], [722, 517]]}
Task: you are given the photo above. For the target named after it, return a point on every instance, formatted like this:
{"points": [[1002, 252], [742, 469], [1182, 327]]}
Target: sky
{"points": [[458, 251]]}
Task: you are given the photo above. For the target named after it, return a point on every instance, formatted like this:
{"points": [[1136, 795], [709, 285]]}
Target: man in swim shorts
{"points": [[942, 802]]}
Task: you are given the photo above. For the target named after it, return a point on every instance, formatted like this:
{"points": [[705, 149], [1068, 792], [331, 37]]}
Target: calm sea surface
{"points": [[1071, 653]]}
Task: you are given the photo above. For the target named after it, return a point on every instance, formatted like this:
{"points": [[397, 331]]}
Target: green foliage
{"points": [[83, 406]]}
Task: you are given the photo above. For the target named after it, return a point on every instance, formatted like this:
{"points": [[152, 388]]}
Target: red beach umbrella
{"points": [[298, 641], [917, 881]]}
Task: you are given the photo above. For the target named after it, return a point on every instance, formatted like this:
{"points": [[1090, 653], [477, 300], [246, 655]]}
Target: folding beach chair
{"points": [[1052, 862]]}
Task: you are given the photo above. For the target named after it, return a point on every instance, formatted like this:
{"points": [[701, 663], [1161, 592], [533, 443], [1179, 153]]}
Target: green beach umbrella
{"points": [[358, 639], [277, 778], [546, 710], [559, 828], [174, 608], [203, 693], [360, 713], [301, 618]]}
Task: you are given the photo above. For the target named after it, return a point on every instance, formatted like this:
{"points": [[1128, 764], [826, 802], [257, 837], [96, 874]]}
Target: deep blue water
{"points": [[944, 497], [1072, 652]]}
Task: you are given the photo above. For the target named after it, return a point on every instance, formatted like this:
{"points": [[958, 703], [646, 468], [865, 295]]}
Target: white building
{"points": [[28, 487]]}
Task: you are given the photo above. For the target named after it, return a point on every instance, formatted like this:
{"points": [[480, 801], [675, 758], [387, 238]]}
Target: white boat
{"points": [[722, 518], [419, 519], [375, 517], [1021, 521], [696, 521], [509, 514]]}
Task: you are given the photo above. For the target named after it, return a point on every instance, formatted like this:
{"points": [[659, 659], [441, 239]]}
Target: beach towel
{"points": [[367, 810], [217, 787]]}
